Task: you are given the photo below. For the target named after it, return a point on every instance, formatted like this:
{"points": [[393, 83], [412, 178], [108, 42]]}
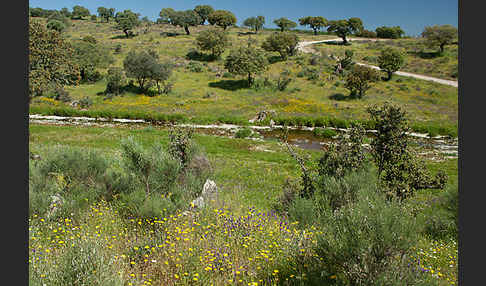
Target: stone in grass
{"points": [[198, 203], [210, 190], [56, 202], [209, 193]]}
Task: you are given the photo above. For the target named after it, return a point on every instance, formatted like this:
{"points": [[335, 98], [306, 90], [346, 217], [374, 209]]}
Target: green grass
{"points": [[418, 58], [246, 177], [431, 106]]}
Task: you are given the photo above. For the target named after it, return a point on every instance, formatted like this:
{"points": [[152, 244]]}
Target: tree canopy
{"points": [[79, 12], [89, 56], [390, 60], [56, 25], [316, 23], [284, 24], [185, 19], [255, 23], [49, 60], [284, 43], [440, 36], [359, 79], [214, 40], [343, 28], [203, 11], [389, 32], [126, 21], [106, 13], [246, 60], [166, 15], [222, 18]]}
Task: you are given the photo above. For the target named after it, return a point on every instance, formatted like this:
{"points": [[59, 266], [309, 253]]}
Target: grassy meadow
{"points": [[202, 250], [113, 206], [212, 95]]}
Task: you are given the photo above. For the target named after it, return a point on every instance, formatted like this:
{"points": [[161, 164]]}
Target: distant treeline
{"points": [[204, 11]]}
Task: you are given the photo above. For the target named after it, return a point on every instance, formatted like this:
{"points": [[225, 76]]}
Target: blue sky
{"points": [[411, 15]]}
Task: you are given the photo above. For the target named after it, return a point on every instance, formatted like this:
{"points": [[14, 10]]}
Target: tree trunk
{"points": [[345, 41], [281, 29], [249, 79], [442, 48], [126, 32], [187, 30], [224, 27], [389, 76], [315, 31]]}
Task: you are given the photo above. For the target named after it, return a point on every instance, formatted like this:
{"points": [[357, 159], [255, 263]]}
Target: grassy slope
{"points": [[247, 176], [426, 102], [418, 58]]}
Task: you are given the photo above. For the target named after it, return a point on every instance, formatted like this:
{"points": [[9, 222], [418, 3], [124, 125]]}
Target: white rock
{"points": [[198, 202]]}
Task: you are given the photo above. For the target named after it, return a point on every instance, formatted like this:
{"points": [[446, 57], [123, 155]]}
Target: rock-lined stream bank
{"points": [[436, 148]]}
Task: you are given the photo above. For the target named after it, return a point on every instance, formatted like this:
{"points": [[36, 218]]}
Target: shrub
{"points": [[324, 132], [83, 263], [59, 93], [399, 169], [118, 49], [344, 156], [334, 192], [363, 239], [243, 132], [303, 211], [314, 60], [115, 81], [85, 102], [194, 67], [89, 39], [359, 79], [74, 174], [283, 80], [56, 25], [155, 170], [181, 146]]}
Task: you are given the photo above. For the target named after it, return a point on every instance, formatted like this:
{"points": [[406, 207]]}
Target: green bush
{"points": [[441, 215], [75, 175], [324, 132], [363, 240], [85, 102], [243, 132], [194, 67], [303, 211], [83, 263], [335, 192]]}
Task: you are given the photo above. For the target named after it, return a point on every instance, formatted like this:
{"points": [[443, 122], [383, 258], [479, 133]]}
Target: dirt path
{"points": [[305, 47]]}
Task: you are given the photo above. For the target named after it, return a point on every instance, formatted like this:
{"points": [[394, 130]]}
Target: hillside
{"points": [[206, 93]]}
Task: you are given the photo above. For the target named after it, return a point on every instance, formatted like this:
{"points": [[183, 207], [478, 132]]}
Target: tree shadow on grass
{"points": [[342, 97], [229, 84], [246, 33], [425, 55], [197, 56], [123, 36], [274, 59], [337, 43], [170, 34]]}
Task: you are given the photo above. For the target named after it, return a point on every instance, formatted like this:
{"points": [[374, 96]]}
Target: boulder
{"points": [[56, 202], [210, 190], [198, 202]]}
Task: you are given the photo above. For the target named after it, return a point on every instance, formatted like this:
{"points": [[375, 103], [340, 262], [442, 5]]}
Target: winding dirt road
{"points": [[305, 47]]}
